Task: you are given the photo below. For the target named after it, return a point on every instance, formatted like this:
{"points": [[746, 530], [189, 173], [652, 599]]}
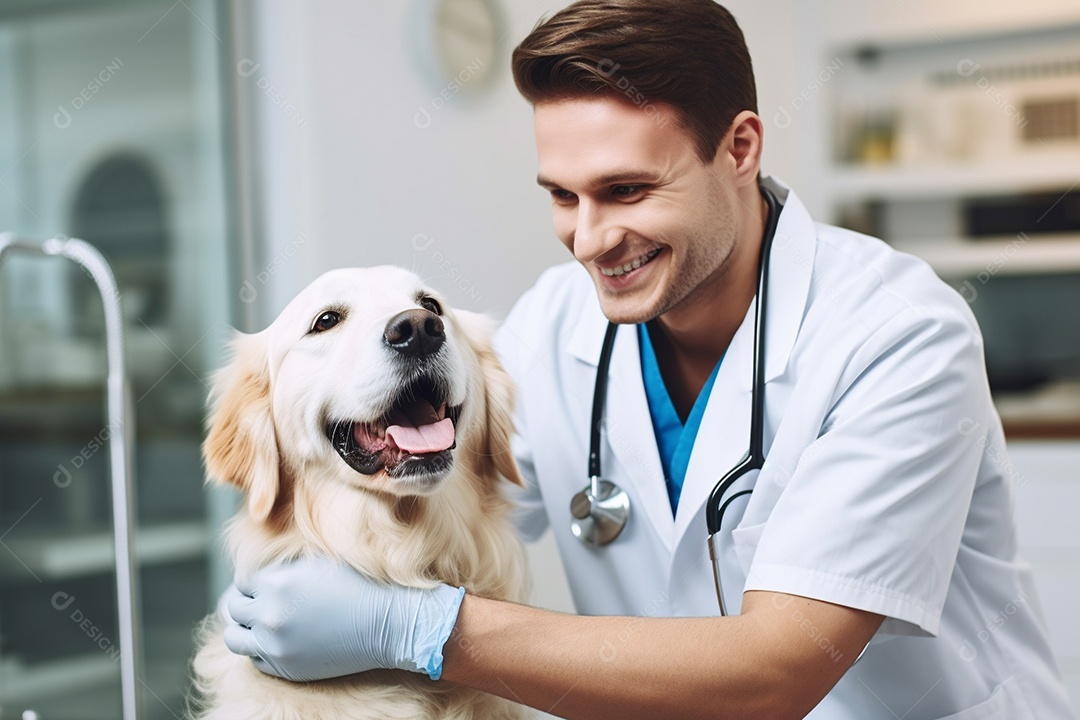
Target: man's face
{"points": [[633, 202]]}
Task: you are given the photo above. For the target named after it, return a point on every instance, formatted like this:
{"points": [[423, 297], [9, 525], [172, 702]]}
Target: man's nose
{"points": [[593, 234]]}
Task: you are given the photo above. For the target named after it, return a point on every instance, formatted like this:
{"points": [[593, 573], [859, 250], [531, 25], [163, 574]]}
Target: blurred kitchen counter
{"points": [[1051, 412]]}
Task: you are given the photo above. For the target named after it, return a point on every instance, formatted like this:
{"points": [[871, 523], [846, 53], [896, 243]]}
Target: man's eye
{"points": [[327, 320], [562, 196], [430, 304], [625, 191]]}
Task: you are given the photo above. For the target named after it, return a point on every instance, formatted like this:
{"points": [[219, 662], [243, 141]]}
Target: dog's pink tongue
{"points": [[423, 439], [418, 429]]}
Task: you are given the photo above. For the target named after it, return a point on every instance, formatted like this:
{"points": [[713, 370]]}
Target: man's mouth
{"points": [[632, 265], [413, 437]]}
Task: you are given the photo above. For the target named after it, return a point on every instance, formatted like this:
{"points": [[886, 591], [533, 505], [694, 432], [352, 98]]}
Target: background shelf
{"points": [[897, 183], [964, 258]]}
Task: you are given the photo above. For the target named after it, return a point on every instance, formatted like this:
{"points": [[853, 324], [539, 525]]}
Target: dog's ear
{"points": [[241, 447], [496, 452]]}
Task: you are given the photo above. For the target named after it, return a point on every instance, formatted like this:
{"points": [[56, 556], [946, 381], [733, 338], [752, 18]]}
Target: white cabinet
{"points": [[1047, 501]]}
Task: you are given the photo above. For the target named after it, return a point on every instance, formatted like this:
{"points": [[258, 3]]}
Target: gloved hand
{"points": [[314, 618]]}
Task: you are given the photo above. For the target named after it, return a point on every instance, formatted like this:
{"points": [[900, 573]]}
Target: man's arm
{"points": [[314, 618], [777, 659]]}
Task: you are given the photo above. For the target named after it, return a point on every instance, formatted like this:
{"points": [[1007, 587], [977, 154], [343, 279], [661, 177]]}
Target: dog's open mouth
{"points": [[413, 437]]}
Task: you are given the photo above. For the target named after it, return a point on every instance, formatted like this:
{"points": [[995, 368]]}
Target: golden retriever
{"points": [[369, 423]]}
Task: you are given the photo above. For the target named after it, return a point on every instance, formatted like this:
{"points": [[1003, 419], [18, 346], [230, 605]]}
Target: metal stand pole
{"points": [[120, 412]]}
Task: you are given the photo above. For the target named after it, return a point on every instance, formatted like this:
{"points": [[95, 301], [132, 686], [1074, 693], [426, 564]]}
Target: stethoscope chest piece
{"points": [[600, 512]]}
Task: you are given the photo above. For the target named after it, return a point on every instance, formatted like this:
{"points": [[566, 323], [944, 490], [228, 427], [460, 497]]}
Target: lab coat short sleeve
{"points": [[872, 514], [518, 352]]}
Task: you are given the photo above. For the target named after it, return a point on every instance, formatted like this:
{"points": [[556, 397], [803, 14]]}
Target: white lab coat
{"points": [[885, 485]]}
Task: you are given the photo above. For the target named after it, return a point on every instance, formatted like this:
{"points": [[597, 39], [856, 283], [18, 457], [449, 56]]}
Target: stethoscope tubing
{"points": [[599, 399]]}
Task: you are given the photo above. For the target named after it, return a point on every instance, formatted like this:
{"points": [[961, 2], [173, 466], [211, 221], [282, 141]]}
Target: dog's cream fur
{"points": [[267, 437]]}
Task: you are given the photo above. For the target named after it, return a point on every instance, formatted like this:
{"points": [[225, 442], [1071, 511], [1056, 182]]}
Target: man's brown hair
{"points": [[689, 54]]}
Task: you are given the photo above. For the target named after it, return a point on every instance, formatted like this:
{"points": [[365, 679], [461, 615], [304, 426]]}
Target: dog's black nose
{"points": [[415, 332]]}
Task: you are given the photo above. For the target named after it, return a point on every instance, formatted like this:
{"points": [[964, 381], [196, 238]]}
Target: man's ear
{"points": [[241, 447], [742, 148], [495, 448]]}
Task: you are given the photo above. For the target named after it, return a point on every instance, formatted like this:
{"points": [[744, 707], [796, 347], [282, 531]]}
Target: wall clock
{"points": [[459, 43]]}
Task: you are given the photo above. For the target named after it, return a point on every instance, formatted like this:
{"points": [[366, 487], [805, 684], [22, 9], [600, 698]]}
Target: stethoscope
{"points": [[601, 510]]}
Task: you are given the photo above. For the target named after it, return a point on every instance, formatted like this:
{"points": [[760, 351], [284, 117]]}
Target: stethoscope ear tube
{"points": [[755, 456]]}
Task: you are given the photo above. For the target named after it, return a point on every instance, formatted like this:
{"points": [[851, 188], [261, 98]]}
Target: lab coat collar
{"points": [[718, 448]]}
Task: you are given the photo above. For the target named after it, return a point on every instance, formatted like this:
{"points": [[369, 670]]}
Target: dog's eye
{"points": [[430, 304], [326, 321]]}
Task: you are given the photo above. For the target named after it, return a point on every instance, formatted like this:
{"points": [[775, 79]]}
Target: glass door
{"points": [[111, 130]]}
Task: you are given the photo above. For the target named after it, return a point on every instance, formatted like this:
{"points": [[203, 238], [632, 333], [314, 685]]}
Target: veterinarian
{"points": [[881, 519]]}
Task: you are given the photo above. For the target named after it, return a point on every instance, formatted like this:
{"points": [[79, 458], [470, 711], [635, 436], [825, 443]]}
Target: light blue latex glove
{"points": [[314, 618]]}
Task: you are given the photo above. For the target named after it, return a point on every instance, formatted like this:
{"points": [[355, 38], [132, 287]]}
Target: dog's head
{"points": [[366, 378]]}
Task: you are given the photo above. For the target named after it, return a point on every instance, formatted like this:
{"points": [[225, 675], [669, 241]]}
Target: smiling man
{"points": [[878, 522]]}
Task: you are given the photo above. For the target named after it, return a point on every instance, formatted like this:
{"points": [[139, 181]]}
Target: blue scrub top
{"points": [[674, 439]]}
